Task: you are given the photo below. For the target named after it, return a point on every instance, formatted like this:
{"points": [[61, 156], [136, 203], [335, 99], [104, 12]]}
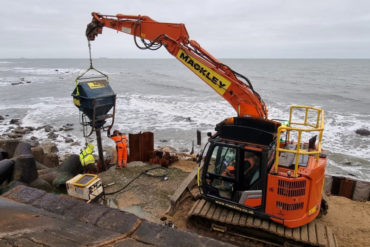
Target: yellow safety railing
{"points": [[300, 127]]}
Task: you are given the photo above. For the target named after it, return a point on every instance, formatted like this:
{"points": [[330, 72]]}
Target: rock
{"points": [[51, 160], [49, 147], [3, 154], [33, 143], [71, 165], [25, 169], [30, 128], [49, 175], [76, 144], [9, 146], [168, 149], [16, 83], [28, 81], [6, 170], [21, 130], [184, 150], [22, 78], [40, 167], [15, 121], [163, 140], [52, 136], [67, 128], [41, 184], [69, 140], [363, 132], [38, 154], [14, 136], [48, 128], [23, 149], [1, 117]]}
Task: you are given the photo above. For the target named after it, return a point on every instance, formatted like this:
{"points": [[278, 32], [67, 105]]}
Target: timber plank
{"points": [[304, 233], [312, 237], [249, 221], [224, 214], [331, 238], [297, 234], [321, 234], [243, 220], [288, 232], [257, 222], [280, 230], [273, 227], [229, 217], [216, 215], [211, 211], [236, 218], [265, 225], [199, 207], [205, 209]]}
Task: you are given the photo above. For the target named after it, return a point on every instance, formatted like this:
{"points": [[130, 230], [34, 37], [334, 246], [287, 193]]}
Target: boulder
{"points": [[15, 121], [49, 147], [38, 153], [6, 170], [1, 118], [52, 135], [363, 132], [25, 169], [48, 128], [23, 149], [51, 160], [41, 184], [3, 154], [9, 146], [72, 165]]}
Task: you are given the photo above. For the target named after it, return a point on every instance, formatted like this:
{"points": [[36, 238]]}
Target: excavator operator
{"points": [[121, 147]]}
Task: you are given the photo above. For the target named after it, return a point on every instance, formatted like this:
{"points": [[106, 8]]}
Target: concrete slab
{"points": [[53, 220]]}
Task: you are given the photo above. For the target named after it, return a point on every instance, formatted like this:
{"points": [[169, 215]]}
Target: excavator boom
{"points": [[232, 86]]}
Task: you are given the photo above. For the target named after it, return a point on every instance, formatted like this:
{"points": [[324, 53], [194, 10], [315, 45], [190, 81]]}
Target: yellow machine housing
{"points": [[85, 186]]}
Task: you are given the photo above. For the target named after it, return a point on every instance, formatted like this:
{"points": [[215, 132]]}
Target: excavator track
{"points": [[236, 226]]}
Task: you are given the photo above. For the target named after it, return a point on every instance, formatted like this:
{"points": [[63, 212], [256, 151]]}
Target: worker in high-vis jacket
{"points": [[121, 147], [87, 159]]}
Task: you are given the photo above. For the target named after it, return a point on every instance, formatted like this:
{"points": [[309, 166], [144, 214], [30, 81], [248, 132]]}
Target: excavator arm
{"points": [[232, 86]]}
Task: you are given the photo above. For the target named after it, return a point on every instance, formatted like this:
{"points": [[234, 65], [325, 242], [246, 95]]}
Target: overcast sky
{"points": [[227, 29]]}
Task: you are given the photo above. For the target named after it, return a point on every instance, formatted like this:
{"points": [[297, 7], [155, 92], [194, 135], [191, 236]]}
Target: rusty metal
{"points": [[346, 188], [141, 146], [163, 158]]}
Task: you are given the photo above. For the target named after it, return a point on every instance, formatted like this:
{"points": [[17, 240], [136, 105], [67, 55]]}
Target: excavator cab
{"points": [[236, 164], [233, 172]]}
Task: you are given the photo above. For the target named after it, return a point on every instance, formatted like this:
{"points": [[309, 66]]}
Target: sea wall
{"points": [[356, 190]]}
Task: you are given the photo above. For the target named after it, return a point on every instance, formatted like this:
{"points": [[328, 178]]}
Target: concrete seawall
{"points": [[356, 190]]}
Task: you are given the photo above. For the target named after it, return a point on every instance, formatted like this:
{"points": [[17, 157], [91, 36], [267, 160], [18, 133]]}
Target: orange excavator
{"points": [[256, 181]]}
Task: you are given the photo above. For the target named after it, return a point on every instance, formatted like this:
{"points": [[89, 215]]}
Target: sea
{"points": [[164, 97]]}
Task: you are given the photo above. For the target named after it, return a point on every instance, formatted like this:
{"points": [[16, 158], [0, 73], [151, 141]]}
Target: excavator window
{"points": [[251, 169], [221, 171]]}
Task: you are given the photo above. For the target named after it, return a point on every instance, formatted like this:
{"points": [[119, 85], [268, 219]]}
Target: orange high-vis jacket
{"points": [[121, 146]]}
